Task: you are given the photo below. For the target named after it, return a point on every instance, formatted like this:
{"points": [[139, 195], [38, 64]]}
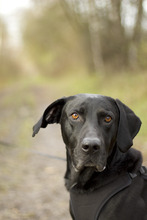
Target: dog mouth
{"points": [[98, 167]]}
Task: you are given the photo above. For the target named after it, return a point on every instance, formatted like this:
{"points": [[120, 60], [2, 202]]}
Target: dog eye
{"points": [[107, 119], [75, 116]]}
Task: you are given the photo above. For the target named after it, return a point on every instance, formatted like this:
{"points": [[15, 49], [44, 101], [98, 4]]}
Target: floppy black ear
{"points": [[129, 126], [51, 115]]}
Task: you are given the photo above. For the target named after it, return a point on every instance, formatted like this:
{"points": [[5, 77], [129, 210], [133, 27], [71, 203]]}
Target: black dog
{"points": [[105, 177]]}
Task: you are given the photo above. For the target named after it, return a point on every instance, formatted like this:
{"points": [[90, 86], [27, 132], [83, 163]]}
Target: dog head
{"points": [[91, 126]]}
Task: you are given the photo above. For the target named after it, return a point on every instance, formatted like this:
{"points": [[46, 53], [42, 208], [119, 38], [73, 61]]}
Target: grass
{"points": [[23, 94], [129, 87]]}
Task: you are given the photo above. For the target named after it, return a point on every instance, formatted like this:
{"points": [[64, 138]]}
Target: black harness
{"points": [[88, 206]]}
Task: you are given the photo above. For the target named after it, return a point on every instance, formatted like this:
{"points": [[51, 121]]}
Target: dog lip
{"points": [[97, 168], [89, 165], [100, 169]]}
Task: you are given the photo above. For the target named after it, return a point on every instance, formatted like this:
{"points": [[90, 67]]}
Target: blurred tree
{"points": [[137, 33], [50, 39], [3, 38], [103, 33], [9, 67], [110, 39], [83, 17]]}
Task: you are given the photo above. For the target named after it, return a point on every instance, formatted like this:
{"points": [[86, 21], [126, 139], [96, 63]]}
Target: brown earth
{"points": [[31, 183]]}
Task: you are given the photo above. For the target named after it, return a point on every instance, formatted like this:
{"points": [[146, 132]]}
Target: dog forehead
{"points": [[90, 101], [88, 95]]}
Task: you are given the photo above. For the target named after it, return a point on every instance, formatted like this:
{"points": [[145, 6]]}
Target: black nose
{"points": [[91, 144]]}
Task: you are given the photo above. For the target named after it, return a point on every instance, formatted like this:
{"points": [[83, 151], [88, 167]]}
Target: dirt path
{"points": [[31, 183]]}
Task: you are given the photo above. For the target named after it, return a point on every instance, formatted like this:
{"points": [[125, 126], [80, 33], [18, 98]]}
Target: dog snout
{"points": [[91, 145]]}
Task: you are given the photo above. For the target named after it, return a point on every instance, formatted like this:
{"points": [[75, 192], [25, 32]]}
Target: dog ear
{"points": [[129, 126], [51, 115]]}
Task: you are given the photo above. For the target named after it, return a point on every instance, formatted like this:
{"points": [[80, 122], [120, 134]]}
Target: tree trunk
{"points": [[134, 46], [94, 37]]}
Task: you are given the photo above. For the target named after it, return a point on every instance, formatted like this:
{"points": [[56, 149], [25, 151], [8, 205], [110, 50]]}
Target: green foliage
{"points": [[51, 41], [63, 36]]}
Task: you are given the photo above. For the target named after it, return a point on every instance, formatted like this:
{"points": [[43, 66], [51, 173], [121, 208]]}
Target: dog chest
{"points": [[88, 206]]}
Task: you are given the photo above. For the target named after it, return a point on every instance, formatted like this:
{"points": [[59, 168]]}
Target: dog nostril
{"points": [[91, 145], [85, 148], [95, 147]]}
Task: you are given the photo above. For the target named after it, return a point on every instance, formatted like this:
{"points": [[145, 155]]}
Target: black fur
{"points": [[98, 150]]}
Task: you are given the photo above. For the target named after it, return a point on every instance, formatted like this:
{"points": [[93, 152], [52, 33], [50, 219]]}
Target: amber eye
{"points": [[108, 119], [75, 116]]}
